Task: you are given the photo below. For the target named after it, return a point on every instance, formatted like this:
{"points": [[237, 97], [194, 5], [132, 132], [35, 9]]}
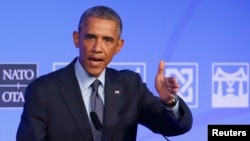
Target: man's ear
{"points": [[76, 39], [119, 46]]}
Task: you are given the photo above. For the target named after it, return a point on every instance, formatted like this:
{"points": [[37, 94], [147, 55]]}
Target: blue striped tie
{"points": [[96, 106]]}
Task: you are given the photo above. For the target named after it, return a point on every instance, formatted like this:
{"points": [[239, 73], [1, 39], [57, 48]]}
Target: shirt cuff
{"points": [[175, 110]]}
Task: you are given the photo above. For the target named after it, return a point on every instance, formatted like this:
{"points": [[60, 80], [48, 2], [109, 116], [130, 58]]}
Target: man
{"points": [[58, 105]]}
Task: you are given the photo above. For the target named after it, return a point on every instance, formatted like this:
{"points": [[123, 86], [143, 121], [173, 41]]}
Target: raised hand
{"points": [[166, 87]]}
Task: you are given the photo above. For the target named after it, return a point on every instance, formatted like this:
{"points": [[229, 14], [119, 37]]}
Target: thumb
{"points": [[159, 78], [161, 68]]}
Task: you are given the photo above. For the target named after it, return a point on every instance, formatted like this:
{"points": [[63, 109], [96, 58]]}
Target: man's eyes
{"points": [[90, 37], [93, 37], [108, 39]]}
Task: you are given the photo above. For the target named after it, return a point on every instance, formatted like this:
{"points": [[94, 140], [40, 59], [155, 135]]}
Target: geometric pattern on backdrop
{"points": [[187, 76], [58, 65], [230, 85], [138, 67]]}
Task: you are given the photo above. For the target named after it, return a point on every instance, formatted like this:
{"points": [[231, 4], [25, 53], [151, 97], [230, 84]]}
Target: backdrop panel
{"points": [[205, 44]]}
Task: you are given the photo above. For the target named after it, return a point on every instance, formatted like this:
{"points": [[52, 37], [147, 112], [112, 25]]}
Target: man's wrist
{"points": [[174, 102]]}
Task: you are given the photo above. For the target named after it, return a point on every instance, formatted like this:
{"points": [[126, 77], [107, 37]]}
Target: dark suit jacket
{"points": [[54, 109]]}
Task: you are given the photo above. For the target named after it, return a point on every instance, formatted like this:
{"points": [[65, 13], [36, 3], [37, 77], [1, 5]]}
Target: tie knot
{"points": [[95, 85]]}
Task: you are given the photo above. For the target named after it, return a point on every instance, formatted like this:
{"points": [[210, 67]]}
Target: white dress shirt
{"points": [[85, 82]]}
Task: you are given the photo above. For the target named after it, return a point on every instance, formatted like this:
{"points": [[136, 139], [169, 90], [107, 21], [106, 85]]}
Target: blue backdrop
{"points": [[205, 43]]}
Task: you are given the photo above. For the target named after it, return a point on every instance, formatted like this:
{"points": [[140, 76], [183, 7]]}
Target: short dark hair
{"points": [[102, 12]]}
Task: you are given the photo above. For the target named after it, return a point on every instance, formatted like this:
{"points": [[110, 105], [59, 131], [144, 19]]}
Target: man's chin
{"points": [[94, 71]]}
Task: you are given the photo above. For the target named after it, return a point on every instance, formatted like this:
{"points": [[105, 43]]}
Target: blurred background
{"points": [[205, 43]]}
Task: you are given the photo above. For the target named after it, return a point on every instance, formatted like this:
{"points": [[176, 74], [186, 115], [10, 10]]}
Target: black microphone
{"points": [[165, 138], [97, 123]]}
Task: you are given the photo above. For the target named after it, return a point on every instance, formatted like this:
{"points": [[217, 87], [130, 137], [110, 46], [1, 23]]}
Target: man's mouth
{"points": [[95, 61]]}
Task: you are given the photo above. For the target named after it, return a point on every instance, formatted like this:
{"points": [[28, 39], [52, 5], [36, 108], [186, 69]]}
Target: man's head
{"points": [[98, 38], [102, 12]]}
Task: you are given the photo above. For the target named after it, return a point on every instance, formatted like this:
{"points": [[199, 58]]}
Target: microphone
{"points": [[97, 123], [165, 138]]}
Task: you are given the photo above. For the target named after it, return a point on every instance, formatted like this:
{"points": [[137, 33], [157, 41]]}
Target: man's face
{"points": [[98, 42]]}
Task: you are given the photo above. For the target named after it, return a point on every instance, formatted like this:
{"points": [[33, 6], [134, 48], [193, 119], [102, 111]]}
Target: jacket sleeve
{"points": [[33, 119], [155, 116]]}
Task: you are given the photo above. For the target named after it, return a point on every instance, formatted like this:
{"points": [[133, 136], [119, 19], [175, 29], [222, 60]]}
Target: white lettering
{"points": [[216, 132], [18, 74], [13, 96]]}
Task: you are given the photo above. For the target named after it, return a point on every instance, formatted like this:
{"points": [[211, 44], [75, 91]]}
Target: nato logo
{"points": [[230, 85], [139, 68], [13, 82], [187, 76]]}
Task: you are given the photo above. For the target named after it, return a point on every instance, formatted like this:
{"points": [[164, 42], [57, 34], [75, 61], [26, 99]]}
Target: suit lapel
{"points": [[113, 94], [71, 94]]}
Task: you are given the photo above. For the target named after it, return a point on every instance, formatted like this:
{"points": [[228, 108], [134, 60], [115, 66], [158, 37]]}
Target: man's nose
{"points": [[97, 46]]}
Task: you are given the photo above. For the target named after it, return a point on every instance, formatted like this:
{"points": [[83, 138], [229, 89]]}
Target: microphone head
{"points": [[96, 121]]}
